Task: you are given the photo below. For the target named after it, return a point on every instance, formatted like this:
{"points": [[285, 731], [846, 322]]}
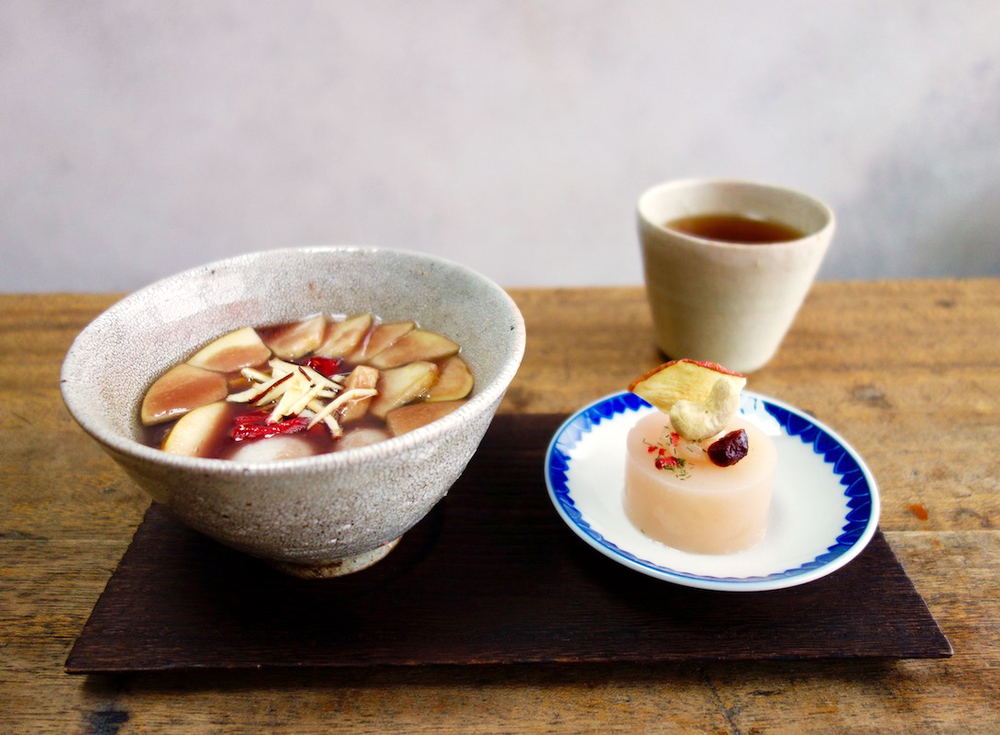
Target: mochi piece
{"points": [[378, 339], [408, 418], [361, 377], [401, 385], [232, 352], [454, 381], [199, 433], [181, 389], [273, 448], [292, 341], [343, 338], [418, 344], [361, 438]]}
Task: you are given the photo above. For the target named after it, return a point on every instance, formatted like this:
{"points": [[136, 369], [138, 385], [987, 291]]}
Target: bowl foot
{"points": [[338, 568]]}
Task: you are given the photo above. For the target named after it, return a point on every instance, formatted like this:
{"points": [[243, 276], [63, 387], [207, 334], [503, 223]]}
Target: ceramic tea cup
{"points": [[315, 516], [721, 300]]}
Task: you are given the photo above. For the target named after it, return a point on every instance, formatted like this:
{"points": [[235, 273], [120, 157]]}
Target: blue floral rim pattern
{"points": [[861, 497]]}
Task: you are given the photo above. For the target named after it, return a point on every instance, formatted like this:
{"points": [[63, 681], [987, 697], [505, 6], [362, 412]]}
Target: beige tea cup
{"points": [[728, 302]]}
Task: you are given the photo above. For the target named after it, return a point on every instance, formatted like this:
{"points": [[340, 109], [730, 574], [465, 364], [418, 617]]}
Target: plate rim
{"points": [[776, 580]]}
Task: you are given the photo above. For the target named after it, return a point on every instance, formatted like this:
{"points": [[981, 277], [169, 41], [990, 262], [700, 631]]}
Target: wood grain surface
{"points": [[908, 372]]}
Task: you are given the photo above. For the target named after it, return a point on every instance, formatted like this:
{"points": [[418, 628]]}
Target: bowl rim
{"points": [[644, 203], [485, 396]]}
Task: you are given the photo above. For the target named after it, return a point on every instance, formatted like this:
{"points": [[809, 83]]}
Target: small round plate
{"points": [[824, 506]]}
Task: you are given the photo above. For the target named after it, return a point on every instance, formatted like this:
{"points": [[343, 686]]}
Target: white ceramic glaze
{"points": [[316, 511], [726, 302]]}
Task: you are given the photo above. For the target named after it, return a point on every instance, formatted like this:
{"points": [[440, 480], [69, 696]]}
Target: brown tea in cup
{"points": [[735, 228]]}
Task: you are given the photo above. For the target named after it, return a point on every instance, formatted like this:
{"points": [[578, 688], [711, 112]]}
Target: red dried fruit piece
{"points": [[255, 426], [325, 366], [251, 418], [730, 449]]}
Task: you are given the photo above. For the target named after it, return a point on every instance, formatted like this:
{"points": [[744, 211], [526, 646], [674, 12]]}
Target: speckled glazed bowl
{"points": [[316, 516]]}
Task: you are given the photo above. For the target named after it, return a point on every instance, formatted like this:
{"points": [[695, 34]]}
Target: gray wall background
{"points": [[141, 138]]}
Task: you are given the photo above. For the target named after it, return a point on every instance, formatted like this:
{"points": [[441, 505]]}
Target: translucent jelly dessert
{"points": [[675, 494], [698, 476], [294, 390]]}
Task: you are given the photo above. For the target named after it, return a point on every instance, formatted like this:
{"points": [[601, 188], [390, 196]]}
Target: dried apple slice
{"points": [[232, 352], [418, 344], [378, 339], [181, 389], [454, 382], [399, 386], [361, 377], [408, 418], [292, 341], [683, 380], [700, 397], [342, 338], [196, 433]]}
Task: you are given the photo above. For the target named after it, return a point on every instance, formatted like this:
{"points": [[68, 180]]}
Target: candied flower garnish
{"points": [[664, 458]]}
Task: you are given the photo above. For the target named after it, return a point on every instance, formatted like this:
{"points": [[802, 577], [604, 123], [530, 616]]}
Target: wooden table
{"points": [[908, 372]]}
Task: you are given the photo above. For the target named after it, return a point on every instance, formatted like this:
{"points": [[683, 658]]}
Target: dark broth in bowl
{"points": [[303, 388], [735, 228]]}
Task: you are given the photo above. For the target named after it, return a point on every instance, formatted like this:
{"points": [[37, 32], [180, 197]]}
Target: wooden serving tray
{"points": [[491, 575]]}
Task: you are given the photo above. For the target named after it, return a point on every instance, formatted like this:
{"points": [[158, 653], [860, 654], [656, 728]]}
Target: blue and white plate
{"points": [[824, 507]]}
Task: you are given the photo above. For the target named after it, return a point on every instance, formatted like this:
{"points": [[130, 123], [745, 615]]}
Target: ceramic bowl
{"points": [[316, 516]]}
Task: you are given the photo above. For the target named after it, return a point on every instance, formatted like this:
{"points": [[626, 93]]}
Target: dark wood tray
{"points": [[491, 575]]}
